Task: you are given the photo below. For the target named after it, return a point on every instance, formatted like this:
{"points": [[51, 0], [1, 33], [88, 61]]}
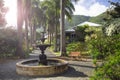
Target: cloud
{"points": [[97, 9], [92, 8], [86, 3]]}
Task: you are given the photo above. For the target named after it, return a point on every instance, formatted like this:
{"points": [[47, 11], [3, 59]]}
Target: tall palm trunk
{"points": [[48, 35], [26, 34], [31, 34], [20, 51], [56, 31], [34, 33], [26, 13], [62, 30]]}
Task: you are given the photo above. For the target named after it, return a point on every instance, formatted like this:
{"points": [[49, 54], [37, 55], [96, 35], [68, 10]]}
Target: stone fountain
{"points": [[43, 66], [42, 47]]}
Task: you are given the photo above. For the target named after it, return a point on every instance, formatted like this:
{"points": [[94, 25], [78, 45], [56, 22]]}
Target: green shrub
{"points": [[8, 42], [76, 46], [109, 70], [108, 50], [103, 46]]}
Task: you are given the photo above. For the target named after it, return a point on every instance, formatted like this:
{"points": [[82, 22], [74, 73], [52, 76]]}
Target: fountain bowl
{"points": [[31, 67]]}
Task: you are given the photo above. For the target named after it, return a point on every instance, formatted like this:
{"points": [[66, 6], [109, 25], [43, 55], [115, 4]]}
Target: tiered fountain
{"points": [[43, 66]]}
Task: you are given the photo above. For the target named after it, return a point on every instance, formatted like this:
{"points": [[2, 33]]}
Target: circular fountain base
{"points": [[32, 68]]}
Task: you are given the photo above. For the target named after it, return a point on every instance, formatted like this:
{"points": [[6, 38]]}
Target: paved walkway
{"points": [[78, 70]]}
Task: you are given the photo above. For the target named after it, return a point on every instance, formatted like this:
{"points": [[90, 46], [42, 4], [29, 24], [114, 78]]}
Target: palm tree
{"points": [[49, 14], [53, 15], [32, 18], [62, 30], [38, 17], [27, 6], [66, 7], [30, 13], [20, 51]]}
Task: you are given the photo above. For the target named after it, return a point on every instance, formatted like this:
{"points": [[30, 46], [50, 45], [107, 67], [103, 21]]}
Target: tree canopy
{"points": [[3, 11], [113, 18]]}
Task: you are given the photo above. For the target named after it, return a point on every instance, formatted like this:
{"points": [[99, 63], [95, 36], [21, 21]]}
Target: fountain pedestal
{"points": [[42, 56], [43, 59]]}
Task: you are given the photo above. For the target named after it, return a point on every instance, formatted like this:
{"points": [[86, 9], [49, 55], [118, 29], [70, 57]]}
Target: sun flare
{"points": [[11, 16]]}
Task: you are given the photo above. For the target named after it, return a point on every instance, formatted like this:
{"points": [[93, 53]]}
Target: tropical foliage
{"points": [[113, 28], [112, 20], [107, 48], [76, 47], [81, 33]]}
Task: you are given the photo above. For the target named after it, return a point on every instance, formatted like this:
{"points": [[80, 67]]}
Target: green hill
{"points": [[98, 19], [77, 19]]}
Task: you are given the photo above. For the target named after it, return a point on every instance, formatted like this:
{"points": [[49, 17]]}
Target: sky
{"points": [[82, 7], [12, 13], [91, 7]]}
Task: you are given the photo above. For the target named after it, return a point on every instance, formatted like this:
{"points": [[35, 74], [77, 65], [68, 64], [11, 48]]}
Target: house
{"points": [[89, 24], [71, 34]]}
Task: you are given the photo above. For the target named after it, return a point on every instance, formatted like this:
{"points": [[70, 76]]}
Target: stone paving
{"points": [[78, 70]]}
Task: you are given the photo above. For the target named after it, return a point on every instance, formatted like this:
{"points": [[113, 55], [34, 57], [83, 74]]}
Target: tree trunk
{"points": [[50, 37], [32, 36], [27, 8], [20, 51], [26, 34], [55, 48], [34, 33], [31, 33], [62, 30]]}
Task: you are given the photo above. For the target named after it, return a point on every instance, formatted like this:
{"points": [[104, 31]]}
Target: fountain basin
{"points": [[31, 68]]}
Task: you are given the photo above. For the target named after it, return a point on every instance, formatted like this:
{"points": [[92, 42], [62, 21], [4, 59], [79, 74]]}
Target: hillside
{"points": [[98, 19], [77, 19]]}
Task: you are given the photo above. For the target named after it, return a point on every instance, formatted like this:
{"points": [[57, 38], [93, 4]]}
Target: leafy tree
{"points": [[112, 19], [114, 27], [81, 33], [114, 10], [3, 11]]}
